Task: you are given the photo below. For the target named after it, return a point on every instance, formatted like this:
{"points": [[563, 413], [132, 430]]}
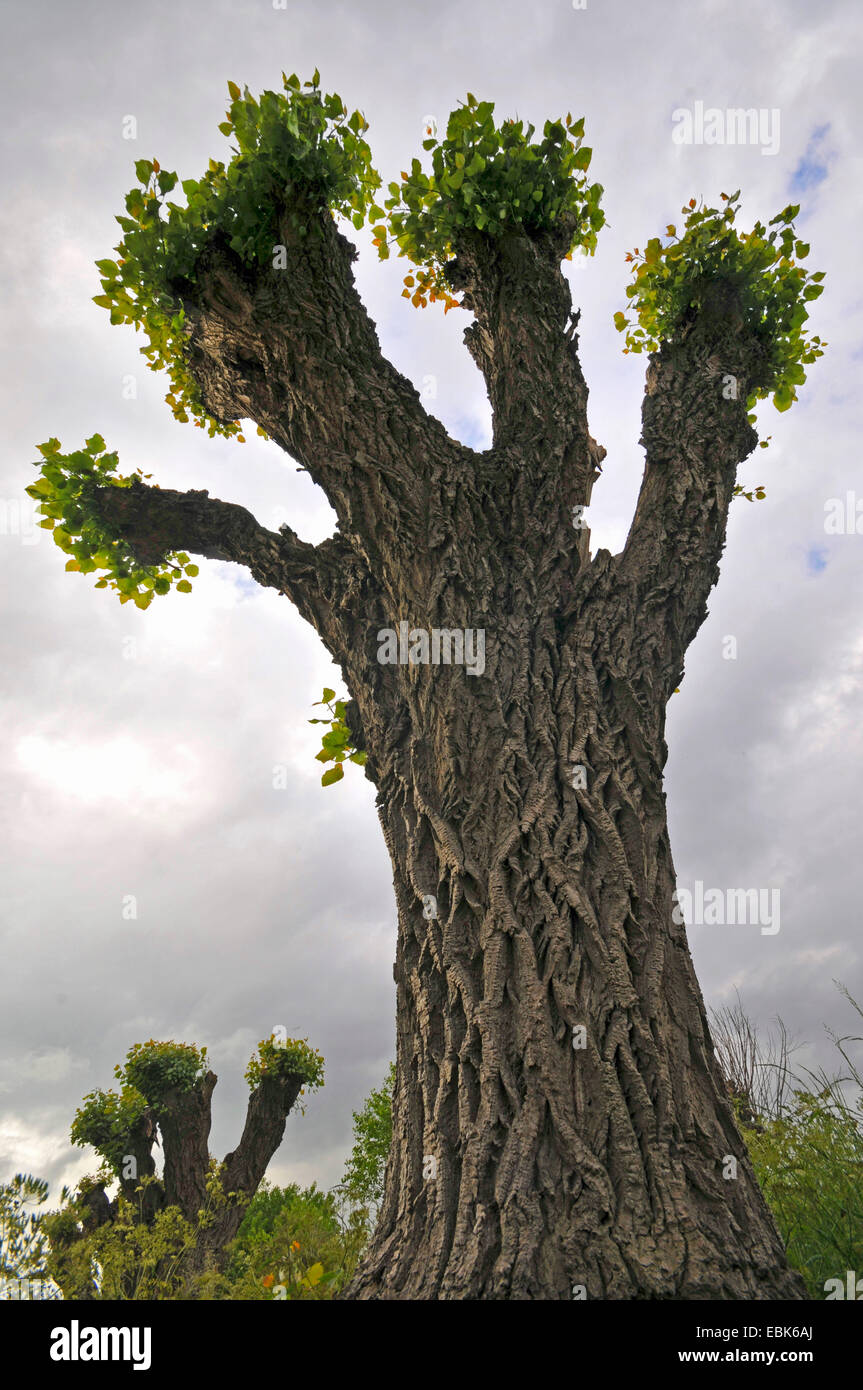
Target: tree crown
{"points": [[300, 158]]}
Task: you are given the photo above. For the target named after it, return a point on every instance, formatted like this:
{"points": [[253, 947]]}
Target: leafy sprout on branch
{"points": [[761, 271], [297, 152], [338, 744], [488, 179], [65, 494]]}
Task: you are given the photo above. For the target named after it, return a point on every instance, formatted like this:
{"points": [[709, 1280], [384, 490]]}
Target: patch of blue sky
{"points": [[813, 168], [816, 559]]}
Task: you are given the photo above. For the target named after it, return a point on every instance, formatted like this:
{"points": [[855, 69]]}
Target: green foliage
{"points": [[269, 1202], [154, 1068], [760, 268], [757, 494], [141, 1262], [338, 744], [106, 1120], [809, 1162], [293, 1244], [126, 1259], [280, 1057], [488, 179], [363, 1181], [297, 152], [65, 492], [808, 1158], [23, 1244]]}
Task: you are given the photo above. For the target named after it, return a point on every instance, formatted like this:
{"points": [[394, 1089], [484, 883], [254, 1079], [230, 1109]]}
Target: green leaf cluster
{"points": [[761, 267], [286, 1057], [338, 744], [293, 1244], [363, 1181], [137, 1260], [66, 493], [154, 1068], [488, 179], [106, 1120], [297, 152], [809, 1162], [756, 494]]}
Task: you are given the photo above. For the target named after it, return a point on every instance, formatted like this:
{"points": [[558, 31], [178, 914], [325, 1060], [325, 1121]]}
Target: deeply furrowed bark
{"points": [[522, 1165]]}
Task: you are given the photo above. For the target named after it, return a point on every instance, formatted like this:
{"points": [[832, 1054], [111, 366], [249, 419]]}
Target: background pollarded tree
{"points": [[158, 1234], [534, 901]]}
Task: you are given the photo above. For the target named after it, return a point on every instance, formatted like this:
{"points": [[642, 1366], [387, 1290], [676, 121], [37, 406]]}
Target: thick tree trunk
{"points": [[523, 1164], [531, 906]]}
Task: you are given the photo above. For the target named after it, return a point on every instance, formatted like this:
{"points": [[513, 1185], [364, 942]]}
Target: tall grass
{"points": [[804, 1133]]}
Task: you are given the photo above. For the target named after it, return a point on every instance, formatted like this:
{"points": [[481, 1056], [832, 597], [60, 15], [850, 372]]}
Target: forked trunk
{"points": [[560, 1122]]}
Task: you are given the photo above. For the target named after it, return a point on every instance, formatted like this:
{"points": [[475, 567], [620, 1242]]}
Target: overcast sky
{"points": [[138, 748]]}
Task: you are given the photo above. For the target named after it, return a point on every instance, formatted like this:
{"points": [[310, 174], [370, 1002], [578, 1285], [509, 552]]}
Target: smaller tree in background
{"points": [[363, 1182], [23, 1244], [160, 1233]]}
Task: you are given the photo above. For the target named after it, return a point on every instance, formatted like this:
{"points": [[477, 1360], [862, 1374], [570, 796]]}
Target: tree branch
{"points": [[294, 349], [694, 439], [525, 344], [269, 1106], [184, 1122], [319, 579]]}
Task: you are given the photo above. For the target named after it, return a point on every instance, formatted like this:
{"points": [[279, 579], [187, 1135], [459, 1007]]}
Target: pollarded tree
{"points": [[159, 1232], [519, 779]]}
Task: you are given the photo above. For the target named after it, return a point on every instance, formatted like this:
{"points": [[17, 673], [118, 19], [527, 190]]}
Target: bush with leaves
{"points": [[293, 1244], [126, 1258], [809, 1162]]}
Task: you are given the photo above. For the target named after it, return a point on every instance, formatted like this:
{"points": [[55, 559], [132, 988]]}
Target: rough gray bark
{"points": [[554, 1166]]}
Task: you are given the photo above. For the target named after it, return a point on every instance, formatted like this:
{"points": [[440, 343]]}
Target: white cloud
{"points": [[121, 769]]}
